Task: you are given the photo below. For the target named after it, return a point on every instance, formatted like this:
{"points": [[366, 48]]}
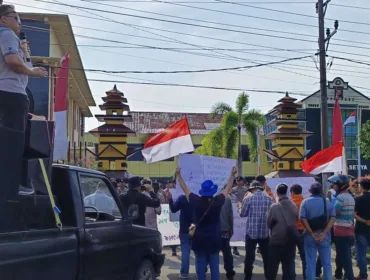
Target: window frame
{"points": [[112, 191]]}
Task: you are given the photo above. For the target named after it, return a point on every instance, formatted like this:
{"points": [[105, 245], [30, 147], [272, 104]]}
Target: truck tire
{"points": [[145, 271]]}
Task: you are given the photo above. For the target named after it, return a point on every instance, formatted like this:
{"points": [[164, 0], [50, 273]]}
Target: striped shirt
{"points": [[344, 208]]}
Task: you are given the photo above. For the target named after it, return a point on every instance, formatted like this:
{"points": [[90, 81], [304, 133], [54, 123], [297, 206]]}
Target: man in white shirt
{"points": [[100, 200]]}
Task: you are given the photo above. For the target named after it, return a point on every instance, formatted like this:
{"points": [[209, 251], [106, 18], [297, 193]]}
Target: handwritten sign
{"points": [[195, 169], [168, 229], [239, 226], [305, 182]]}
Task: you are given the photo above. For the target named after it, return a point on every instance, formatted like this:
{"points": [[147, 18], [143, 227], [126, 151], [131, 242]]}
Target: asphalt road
{"points": [[171, 267]]}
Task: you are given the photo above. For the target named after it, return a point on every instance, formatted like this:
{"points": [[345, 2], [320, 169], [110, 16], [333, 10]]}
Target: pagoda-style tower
{"points": [[112, 148], [288, 149]]}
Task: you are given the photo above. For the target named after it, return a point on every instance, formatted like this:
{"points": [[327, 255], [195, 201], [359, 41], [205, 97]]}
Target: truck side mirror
{"points": [[133, 212]]}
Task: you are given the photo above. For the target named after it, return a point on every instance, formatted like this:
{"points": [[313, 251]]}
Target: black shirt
{"points": [[362, 209], [142, 201]]}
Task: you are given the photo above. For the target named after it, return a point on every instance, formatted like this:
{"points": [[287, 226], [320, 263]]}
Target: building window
{"points": [[350, 133], [82, 125], [90, 144]]}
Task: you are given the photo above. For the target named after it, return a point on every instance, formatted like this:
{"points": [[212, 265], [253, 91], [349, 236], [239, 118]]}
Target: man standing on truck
{"points": [[134, 196], [14, 104]]}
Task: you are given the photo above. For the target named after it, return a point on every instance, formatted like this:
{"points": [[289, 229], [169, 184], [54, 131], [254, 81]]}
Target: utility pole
{"points": [[321, 7], [240, 156]]}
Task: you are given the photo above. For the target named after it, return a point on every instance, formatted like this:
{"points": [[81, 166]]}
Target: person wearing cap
{"points": [[281, 216], [206, 230], [318, 216], [134, 196], [255, 208], [121, 186], [362, 227], [14, 106], [344, 223], [238, 192], [263, 182]]}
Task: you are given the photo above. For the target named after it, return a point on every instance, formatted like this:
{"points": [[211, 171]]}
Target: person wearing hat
{"points": [[238, 192], [344, 223], [206, 230], [281, 216], [255, 208], [121, 186], [318, 216], [134, 196]]}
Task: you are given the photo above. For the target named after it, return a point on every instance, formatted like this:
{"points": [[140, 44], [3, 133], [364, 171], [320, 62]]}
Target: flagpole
{"points": [[358, 142], [344, 168]]}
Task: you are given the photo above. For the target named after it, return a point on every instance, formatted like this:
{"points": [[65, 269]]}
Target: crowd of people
{"points": [[281, 225]]}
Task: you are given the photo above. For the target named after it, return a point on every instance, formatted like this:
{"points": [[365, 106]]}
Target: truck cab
{"points": [[92, 244]]}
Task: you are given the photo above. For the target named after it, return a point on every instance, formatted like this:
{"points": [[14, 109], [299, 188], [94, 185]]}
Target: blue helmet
{"points": [[341, 180]]}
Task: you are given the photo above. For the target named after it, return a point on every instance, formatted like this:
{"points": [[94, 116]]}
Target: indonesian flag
{"points": [[174, 140], [337, 125], [351, 119], [327, 160], [60, 110]]}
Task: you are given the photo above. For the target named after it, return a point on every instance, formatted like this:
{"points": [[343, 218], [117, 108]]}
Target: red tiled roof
{"points": [[153, 122]]}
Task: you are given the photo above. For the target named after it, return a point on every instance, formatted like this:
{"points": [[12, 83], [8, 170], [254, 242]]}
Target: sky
{"points": [[239, 33]]}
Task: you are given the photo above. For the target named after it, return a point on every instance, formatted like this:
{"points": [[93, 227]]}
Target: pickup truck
{"points": [[93, 244]]}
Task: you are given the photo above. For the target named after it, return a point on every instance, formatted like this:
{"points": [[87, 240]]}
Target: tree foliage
{"points": [[365, 140], [223, 141]]}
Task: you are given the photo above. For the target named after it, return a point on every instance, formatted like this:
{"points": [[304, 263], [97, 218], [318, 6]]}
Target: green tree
{"points": [[224, 141], [365, 140]]}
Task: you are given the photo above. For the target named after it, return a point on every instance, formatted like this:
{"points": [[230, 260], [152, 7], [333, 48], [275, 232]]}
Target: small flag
{"points": [[174, 140], [60, 110], [327, 160], [351, 119]]}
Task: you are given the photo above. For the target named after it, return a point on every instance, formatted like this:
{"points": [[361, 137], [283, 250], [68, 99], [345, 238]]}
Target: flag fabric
{"points": [[351, 119], [60, 110], [174, 140], [327, 160], [337, 125]]}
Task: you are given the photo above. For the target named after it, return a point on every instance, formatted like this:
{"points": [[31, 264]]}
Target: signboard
{"points": [[305, 182], [168, 229], [238, 238], [195, 169]]}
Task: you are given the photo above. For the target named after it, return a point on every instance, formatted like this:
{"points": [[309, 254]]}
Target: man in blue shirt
{"points": [[186, 218], [14, 104], [318, 217]]}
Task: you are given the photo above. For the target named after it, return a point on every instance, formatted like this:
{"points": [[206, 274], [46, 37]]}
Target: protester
{"points": [[100, 200], [135, 197], [14, 105], [297, 199], [263, 182], [343, 226], [281, 216], [227, 228], [170, 184], [151, 213], [121, 186], [255, 208], [238, 193], [206, 230], [318, 217], [362, 227], [186, 219]]}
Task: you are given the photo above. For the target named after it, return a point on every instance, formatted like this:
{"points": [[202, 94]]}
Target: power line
{"points": [[351, 7], [206, 2]]}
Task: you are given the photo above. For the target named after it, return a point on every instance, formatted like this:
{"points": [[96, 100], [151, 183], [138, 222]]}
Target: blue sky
{"points": [[297, 76]]}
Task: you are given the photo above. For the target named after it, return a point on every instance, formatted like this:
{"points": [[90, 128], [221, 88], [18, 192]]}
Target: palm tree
{"points": [[225, 141]]}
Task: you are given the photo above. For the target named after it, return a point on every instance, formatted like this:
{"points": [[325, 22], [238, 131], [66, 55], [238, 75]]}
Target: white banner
{"points": [[305, 182], [195, 169], [239, 226], [168, 229]]}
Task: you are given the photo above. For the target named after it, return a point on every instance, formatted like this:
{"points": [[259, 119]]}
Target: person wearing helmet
{"points": [[343, 226]]}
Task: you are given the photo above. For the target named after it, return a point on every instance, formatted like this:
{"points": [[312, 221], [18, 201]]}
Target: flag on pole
{"points": [[351, 119], [337, 125], [174, 140], [327, 160], [60, 110]]}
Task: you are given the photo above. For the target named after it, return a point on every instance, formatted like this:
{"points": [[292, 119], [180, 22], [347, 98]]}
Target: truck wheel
{"points": [[145, 271]]}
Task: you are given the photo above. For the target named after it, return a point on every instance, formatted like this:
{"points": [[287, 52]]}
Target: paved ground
{"points": [[171, 267]]}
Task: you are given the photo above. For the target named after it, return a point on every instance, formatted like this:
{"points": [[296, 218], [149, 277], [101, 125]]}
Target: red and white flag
{"points": [[327, 160], [60, 110], [351, 119], [174, 140]]}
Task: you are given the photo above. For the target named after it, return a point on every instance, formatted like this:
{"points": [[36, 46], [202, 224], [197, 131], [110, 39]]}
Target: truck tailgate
{"points": [[39, 254]]}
